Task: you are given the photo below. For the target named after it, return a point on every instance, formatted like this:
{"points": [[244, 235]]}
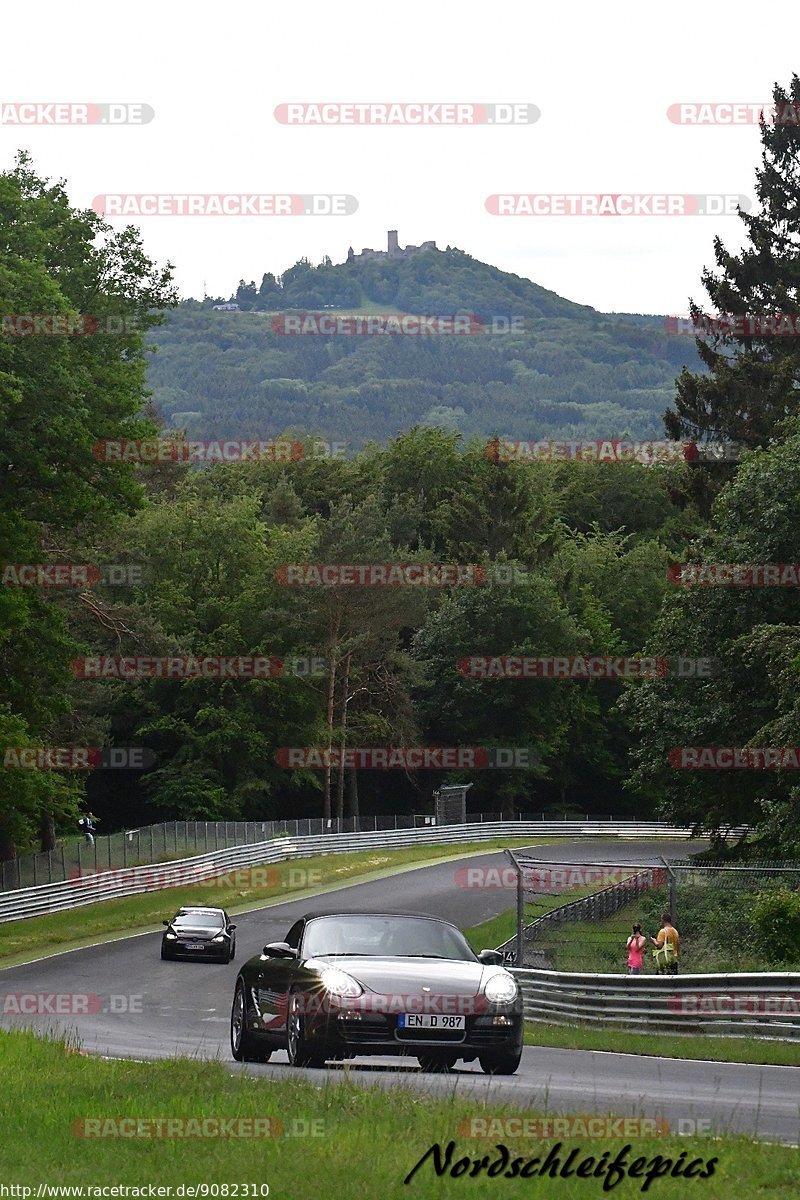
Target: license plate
{"points": [[195, 946], [429, 1021]]}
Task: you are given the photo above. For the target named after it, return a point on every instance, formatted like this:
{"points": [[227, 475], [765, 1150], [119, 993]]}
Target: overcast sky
{"points": [[602, 77]]}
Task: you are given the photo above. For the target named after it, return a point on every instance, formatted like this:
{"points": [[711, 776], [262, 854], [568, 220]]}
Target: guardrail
{"points": [[107, 885], [765, 1004]]}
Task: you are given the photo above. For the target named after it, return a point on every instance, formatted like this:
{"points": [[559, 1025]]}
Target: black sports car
{"points": [[199, 933], [347, 984]]}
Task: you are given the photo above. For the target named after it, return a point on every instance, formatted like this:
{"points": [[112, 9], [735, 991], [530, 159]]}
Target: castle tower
{"points": [[393, 245]]}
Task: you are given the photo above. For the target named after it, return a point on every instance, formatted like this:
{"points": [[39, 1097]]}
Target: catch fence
{"points": [[578, 916]]}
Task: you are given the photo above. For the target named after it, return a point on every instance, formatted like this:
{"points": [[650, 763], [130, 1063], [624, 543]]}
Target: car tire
{"points": [[166, 957], [500, 1064], [297, 1049], [440, 1066], [245, 1046], [232, 955]]}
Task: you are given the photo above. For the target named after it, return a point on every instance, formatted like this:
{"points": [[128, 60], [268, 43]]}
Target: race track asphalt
{"points": [[145, 1008]]}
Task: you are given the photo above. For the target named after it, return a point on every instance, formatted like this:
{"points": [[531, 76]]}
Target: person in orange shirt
{"points": [[667, 946]]}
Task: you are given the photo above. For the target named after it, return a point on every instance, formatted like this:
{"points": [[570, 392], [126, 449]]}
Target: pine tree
{"points": [[754, 380]]}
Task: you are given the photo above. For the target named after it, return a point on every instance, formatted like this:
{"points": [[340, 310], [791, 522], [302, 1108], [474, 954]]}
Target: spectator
{"points": [[87, 824], [667, 946], [636, 944]]}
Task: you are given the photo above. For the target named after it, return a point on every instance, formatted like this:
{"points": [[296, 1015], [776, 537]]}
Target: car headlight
{"points": [[501, 988], [339, 983], [219, 938], [171, 937]]}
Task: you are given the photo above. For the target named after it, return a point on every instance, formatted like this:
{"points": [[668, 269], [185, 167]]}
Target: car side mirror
{"points": [[165, 922], [279, 950], [491, 958], [231, 927]]}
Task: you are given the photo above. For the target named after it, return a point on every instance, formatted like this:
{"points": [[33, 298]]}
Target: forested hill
{"points": [[561, 370]]}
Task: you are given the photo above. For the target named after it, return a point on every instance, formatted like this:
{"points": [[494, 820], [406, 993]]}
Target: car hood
{"points": [[408, 975]]}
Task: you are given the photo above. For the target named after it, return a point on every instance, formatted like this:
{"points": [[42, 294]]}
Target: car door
{"points": [[275, 980]]}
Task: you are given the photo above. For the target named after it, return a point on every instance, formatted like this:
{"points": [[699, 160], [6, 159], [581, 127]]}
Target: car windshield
{"points": [[385, 937], [199, 920]]}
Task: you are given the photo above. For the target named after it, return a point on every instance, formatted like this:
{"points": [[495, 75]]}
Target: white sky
{"points": [[603, 77]]}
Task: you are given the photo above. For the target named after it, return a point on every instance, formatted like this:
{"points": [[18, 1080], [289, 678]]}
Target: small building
{"points": [[229, 307]]}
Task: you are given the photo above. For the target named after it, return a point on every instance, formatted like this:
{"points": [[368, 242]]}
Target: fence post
{"points": [[673, 891], [518, 955]]}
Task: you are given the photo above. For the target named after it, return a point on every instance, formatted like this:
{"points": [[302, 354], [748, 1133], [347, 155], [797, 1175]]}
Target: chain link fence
{"points": [[578, 916]]}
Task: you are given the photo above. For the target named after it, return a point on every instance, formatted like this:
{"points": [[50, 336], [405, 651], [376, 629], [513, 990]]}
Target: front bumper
{"points": [[179, 949], [350, 1031]]}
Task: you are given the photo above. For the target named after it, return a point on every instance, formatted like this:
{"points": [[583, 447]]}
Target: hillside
{"points": [[563, 370]]}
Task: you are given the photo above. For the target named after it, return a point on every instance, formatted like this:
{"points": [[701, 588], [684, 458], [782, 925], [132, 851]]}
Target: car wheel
{"points": [[500, 1064], [439, 1065], [233, 951], [164, 954], [245, 1046], [298, 1051]]}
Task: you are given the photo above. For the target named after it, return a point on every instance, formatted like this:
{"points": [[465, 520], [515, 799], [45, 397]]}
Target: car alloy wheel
{"points": [[244, 1046], [298, 1051]]}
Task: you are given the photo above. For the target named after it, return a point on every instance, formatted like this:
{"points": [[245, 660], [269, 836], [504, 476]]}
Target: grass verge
{"points": [[337, 1139]]}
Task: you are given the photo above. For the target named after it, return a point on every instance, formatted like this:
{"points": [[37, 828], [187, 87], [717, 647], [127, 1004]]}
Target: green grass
{"points": [[666, 1045], [34, 936], [332, 1140]]}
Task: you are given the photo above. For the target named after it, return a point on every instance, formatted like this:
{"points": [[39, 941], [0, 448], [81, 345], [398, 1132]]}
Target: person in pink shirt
{"points": [[636, 944]]}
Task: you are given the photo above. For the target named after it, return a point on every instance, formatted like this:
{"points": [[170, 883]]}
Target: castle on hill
{"points": [[394, 250]]}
